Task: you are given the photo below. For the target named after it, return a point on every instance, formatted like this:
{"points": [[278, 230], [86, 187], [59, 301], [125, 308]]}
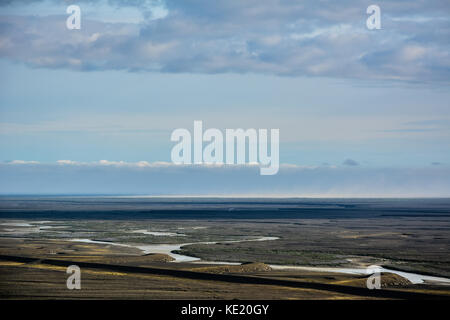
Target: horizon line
{"points": [[230, 196]]}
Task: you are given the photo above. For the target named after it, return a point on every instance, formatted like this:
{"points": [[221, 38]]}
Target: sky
{"points": [[361, 112]]}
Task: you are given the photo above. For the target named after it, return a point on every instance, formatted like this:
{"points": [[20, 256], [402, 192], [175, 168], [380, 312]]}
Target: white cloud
{"points": [[23, 162], [67, 162]]}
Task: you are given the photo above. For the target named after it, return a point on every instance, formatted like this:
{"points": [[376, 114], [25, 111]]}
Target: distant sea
{"points": [[136, 208]]}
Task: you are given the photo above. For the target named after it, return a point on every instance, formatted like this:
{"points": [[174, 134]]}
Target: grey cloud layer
{"points": [[293, 38]]}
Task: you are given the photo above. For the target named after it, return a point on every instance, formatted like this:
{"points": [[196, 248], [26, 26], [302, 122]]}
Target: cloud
{"points": [[290, 38], [66, 162], [168, 179], [23, 162], [138, 164], [350, 162]]}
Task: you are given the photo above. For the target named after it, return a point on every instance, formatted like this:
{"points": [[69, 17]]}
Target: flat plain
{"points": [[233, 254]]}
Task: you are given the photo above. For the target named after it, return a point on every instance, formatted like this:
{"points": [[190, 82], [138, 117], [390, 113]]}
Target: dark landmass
{"points": [[403, 234]]}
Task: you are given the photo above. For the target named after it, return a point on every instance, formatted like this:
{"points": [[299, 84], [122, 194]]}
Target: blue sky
{"points": [[343, 97]]}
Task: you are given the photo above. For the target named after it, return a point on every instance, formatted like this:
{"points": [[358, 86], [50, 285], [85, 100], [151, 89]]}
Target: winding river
{"points": [[169, 248]]}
